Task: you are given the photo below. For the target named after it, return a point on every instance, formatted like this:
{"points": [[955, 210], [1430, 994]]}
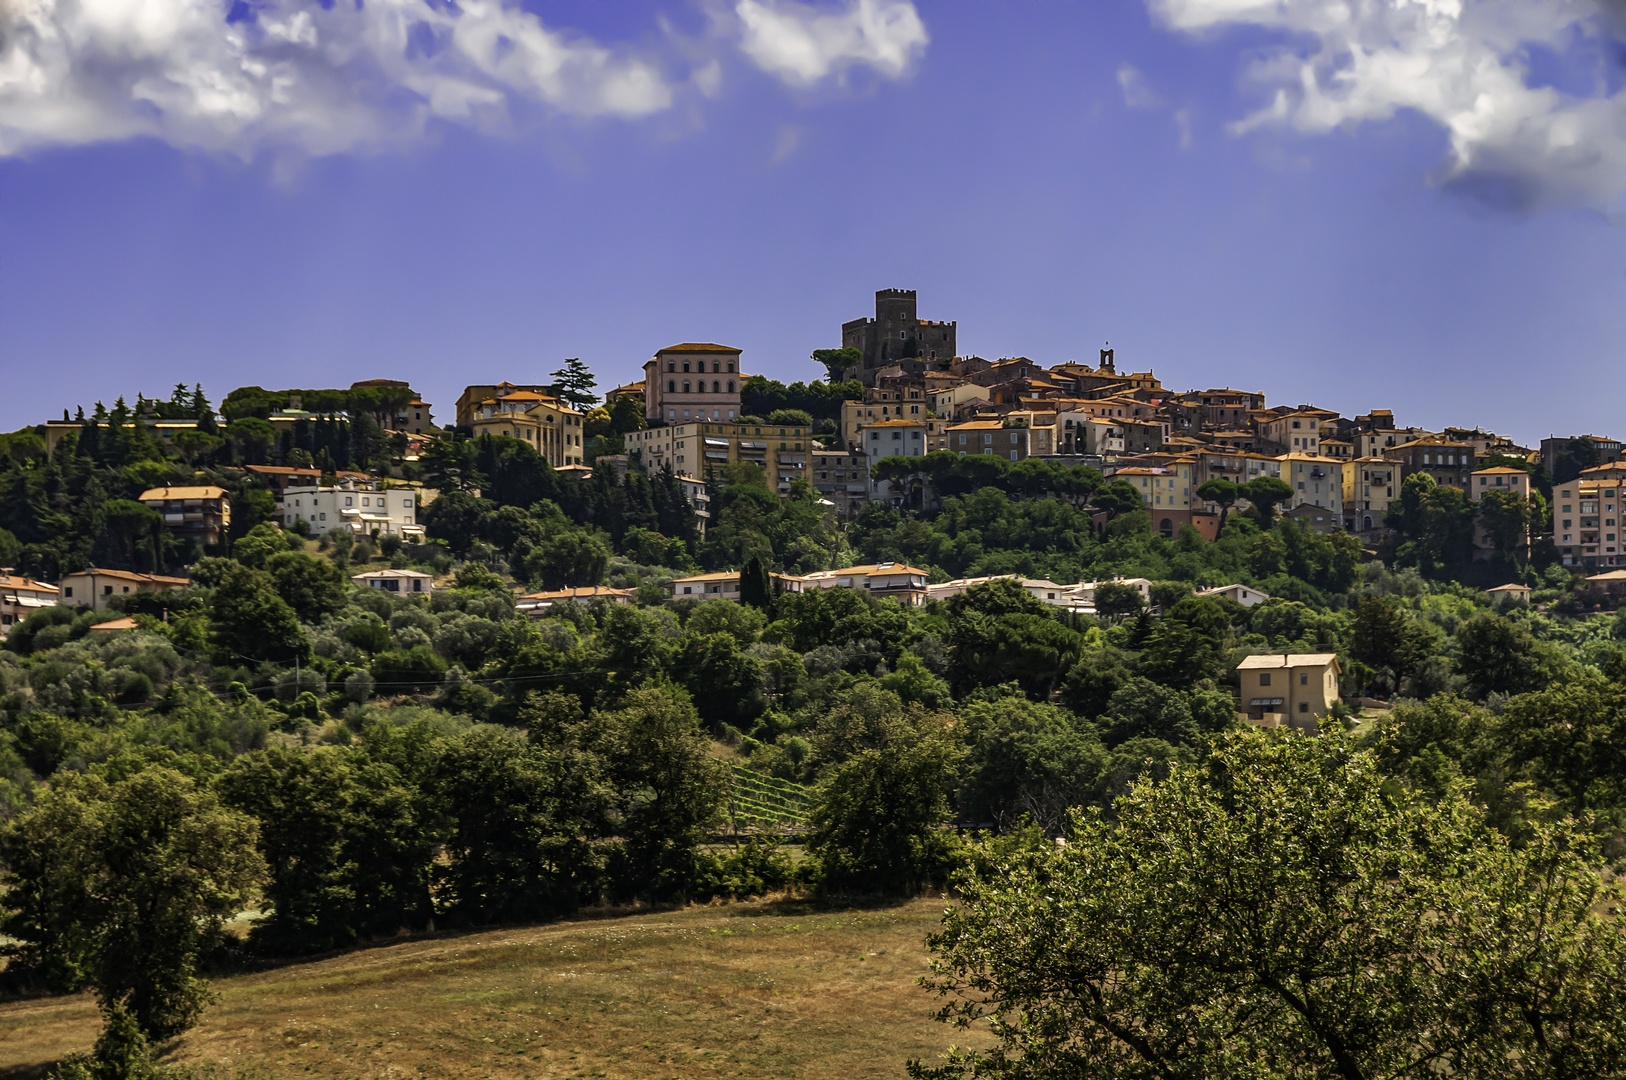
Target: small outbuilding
{"points": [[1246, 595]]}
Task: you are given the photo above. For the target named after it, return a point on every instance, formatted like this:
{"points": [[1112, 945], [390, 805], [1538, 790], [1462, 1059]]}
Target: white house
{"points": [[361, 508], [410, 582], [1246, 595]]}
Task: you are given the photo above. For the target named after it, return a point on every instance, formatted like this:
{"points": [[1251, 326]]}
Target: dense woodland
{"points": [[356, 763]]}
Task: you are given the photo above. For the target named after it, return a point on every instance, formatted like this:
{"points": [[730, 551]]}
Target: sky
{"points": [[1406, 204]]}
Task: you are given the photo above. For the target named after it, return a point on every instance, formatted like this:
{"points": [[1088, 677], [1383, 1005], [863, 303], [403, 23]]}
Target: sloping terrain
{"points": [[759, 990]]}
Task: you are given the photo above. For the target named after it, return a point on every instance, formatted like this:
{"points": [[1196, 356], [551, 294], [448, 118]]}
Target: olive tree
{"points": [[1279, 910]]}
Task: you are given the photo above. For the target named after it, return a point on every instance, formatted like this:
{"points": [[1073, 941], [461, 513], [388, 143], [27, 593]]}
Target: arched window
{"points": [[716, 387], [685, 366], [1166, 528], [685, 386], [731, 366], [714, 366], [731, 386], [671, 386]]}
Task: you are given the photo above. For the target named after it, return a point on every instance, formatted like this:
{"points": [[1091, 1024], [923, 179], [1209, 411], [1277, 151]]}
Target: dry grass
{"points": [[781, 990]]}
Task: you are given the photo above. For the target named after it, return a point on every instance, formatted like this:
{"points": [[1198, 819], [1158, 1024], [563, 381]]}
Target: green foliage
{"points": [[1275, 911], [122, 885], [249, 619], [879, 811]]}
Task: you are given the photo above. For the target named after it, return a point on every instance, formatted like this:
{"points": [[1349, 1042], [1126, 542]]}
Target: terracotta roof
{"points": [[893, 423], [282, 470], [698, 346], [118, 624], [871, 570], [1509, 588], [160, 494], [1290, 660], [1500, 469], [12, 581], [127, 575], [576, 592]]}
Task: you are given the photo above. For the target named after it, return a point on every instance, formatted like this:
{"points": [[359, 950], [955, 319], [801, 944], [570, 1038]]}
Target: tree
{"points": [[1264, 493], [1221, 491], [257, 546], [1118, 601], [669, 790], [1029, 760], [799, 417], [1504, 516], [837, 362], [345, 841], [314, 588], [879, 811], [756, 587], [1275, 911], [449, 465], [574, 383], [122, 885], [1498, 656], [250, 620]]}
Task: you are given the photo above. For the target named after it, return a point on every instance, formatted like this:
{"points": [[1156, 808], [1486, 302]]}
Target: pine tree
{"points": [[575, 384]]}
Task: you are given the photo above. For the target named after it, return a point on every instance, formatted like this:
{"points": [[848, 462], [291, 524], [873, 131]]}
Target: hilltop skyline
{"points": [[1051, 178]]}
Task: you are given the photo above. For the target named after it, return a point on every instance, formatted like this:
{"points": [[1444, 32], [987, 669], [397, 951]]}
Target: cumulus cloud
{"points": [[1514, 139], [328, 76], [802, 44]]}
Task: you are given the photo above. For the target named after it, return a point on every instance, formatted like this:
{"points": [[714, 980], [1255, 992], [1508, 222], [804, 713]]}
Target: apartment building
{"points": [[361, 508], [1370, 485], [1293, 432], [696, 450], [886, 439], [1588, 518], [951, 402], [1002, 438], [191, 513], [841, 477], [888, 580], [1446, 460], [1316, 481], [695, 381], [1167, 492]]}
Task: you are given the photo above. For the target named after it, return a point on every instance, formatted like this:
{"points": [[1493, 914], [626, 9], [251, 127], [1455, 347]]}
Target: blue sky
{"points": [[1418, 209]]}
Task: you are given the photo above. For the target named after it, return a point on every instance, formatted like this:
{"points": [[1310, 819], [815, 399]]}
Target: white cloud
{"points": [[1137, 91], [803, 44], [240, 76], [1464, 64]]}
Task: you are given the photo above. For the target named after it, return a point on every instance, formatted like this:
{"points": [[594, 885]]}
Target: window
{"points": [[107, 590], [406, 504], [1264, 678], [1304, 706], [685, 386], [731, 386], [1304, 679], [685, 367], [68, 592], [671, 386]]}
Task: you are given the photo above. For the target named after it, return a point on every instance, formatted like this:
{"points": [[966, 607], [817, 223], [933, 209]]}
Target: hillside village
{"points": [[898, 406]]}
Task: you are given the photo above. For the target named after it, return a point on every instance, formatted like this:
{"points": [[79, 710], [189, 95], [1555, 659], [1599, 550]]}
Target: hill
{"points": [[783, 990]]}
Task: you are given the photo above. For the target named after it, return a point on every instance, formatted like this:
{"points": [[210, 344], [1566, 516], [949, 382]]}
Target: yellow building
{"points": [[1589, 519], [1370, 485], [1316, 481], [695, 450], [1292, 690], [544, 422]]}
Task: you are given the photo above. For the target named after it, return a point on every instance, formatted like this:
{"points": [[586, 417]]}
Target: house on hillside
{"points": [[412, 582], [1289, 689]]}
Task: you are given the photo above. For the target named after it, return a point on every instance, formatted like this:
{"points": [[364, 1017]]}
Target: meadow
{"points": [[781, 989]]}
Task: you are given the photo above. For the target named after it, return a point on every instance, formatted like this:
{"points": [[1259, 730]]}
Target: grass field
{"points": [[761, 990]]}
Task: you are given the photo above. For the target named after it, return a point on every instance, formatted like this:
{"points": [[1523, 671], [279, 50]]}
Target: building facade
{"points": [[691, 382], [542, 421], [362, 509], [1292, 690], [191, 513], [96, 588], [20, 597]]}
